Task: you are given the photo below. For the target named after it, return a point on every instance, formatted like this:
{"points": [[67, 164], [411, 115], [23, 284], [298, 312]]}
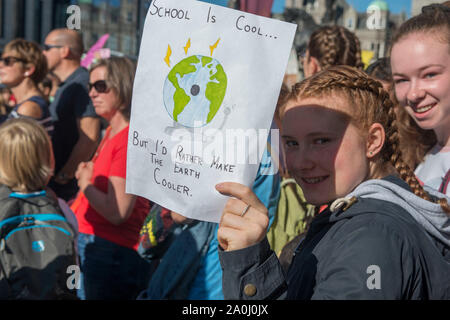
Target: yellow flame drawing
{"points": [[214, 46], [167, 58], [188, 45]]}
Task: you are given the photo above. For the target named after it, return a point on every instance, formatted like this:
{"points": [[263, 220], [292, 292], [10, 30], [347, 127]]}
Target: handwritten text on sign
{"points": [[206, 87], [180, 14]]}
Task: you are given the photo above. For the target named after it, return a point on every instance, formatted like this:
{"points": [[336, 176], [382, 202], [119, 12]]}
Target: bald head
{"points": [[70, 38]]}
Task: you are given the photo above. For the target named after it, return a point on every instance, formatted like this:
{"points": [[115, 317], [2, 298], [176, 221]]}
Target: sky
{"points": [[395, 6]]}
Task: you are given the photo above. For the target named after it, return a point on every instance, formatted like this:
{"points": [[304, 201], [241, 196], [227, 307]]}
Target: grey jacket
{"points": [[389, 244]]}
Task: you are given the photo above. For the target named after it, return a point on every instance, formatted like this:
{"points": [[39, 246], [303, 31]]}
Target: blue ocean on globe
{"points": [[194, 90]]}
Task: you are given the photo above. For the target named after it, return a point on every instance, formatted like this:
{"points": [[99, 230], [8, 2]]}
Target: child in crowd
{"points": [[37, 230], [327, 46], [48, 86], [420, 60], [381, 237]]}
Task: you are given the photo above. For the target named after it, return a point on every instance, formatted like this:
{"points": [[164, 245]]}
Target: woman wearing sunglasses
{"points": [[109, 219], [22, 67]]}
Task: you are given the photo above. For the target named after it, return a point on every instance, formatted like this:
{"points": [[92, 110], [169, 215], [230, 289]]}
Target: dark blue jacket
{"points": [[373, 250]]}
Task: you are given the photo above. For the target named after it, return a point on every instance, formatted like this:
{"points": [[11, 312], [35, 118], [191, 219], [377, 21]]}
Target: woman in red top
{"points": [[110, 219]]}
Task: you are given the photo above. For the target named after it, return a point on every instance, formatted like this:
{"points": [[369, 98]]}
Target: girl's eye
{"points": [[291, 143], [397, 81], [321, 140], [430, 75]]}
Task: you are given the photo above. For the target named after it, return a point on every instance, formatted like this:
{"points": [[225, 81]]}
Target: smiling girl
{"points": [[382, 236], [420, 59]]}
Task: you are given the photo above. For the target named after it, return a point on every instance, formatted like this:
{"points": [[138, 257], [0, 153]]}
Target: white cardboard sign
{"points": [[206, 87]]}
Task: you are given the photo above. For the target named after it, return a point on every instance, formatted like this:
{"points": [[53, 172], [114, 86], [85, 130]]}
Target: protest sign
{"points": [[206, 87]]}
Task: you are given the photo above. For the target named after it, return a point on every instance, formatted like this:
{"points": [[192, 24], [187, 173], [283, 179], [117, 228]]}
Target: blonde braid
{"points": [[405, 172], [358, 60]]}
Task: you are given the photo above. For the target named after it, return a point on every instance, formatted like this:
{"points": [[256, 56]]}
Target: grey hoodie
{"points": [[388, 244], [428, 214]]}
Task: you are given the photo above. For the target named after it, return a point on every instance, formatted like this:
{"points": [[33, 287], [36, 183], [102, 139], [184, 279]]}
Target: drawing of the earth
{"points": [[194, 90]]}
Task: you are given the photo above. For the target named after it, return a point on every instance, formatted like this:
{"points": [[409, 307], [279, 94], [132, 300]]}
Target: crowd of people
{"points": [[360, 208]]}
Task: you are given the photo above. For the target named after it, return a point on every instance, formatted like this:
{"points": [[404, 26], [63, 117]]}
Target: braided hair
{"points": [[335, 45], [366, 96]]}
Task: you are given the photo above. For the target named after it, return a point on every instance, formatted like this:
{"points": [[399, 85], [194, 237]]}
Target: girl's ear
{"points": [[310, 65], [65, 52], [314, 65], [375, 140]]}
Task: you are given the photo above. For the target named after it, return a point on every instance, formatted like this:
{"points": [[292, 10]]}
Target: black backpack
{"points": [[36, 247]]}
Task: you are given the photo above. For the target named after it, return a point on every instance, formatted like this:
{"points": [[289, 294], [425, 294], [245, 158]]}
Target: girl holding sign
{"points": [[382, 236], [420, 59]]}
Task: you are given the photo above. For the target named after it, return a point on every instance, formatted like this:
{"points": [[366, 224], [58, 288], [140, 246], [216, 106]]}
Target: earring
{"points": [[26, 74], [370, 152]]}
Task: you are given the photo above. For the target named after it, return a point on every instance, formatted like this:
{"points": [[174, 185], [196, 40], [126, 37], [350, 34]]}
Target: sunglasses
{"points": [[9, 61], [99, 85], [47, 47]]}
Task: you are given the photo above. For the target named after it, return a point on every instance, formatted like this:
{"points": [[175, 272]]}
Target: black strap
{"points": [[445, 182]]}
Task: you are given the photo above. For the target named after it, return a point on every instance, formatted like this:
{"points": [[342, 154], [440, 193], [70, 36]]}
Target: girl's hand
{"points": [[237, 231], [84, 174]]}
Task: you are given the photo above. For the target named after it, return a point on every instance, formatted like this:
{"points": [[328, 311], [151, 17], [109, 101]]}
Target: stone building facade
{"points": [[34, 19], [374, 27]]}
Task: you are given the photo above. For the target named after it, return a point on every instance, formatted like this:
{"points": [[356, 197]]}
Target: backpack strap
{"points": [[445, 182], [27, 195]]}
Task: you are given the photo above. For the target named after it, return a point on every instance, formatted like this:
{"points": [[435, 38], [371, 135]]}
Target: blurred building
{"points": [[374, 27], [30, 19], [34, 19], [123, 20]]}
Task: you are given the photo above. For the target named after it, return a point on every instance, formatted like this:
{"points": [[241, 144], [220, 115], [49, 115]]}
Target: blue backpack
{"points": [[36, 247]]}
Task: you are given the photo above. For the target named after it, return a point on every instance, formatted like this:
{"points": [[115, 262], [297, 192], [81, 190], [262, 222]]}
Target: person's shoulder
{"points": [[5, 191], [435, 155], [374, 216], [80, 74], [39, 100], [77, 81], [30, 109]]}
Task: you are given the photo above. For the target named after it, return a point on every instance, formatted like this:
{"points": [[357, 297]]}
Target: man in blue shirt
{"points": [[76, 125]]}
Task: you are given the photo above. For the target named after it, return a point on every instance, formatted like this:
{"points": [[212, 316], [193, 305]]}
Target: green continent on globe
{"points": [[216, 91], [206, 60], [180, 98]]}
